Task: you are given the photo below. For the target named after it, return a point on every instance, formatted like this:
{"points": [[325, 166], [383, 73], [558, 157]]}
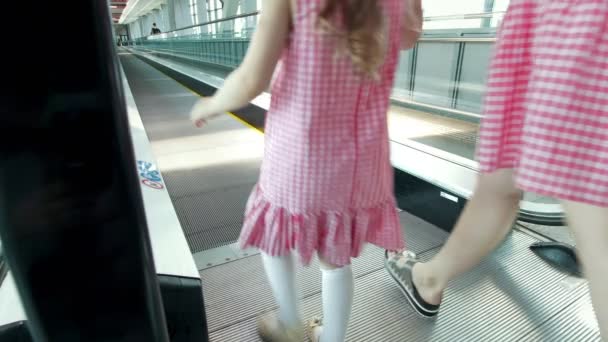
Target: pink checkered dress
{"points": [[546, 110], [326, 182]]}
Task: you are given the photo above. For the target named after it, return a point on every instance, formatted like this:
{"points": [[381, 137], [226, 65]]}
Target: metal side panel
{"points": [[11, 308], [506, 298], [169, 246]]}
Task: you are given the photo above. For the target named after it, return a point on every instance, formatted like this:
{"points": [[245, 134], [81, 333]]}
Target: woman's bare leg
{"points": [[484, 223], [590, 226]]}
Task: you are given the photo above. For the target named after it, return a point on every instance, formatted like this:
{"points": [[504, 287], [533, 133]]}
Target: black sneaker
{"points": [[400, 268]]}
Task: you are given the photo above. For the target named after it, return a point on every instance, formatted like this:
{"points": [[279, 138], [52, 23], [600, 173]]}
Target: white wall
{"points": [[164, 18], [171, 14], [182, 13], [203, 16], [231, 7], [249, 6]]}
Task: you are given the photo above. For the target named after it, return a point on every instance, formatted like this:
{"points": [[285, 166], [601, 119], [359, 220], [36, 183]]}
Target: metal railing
{"points": [[443, 18], [217, 21], [444, 73]]}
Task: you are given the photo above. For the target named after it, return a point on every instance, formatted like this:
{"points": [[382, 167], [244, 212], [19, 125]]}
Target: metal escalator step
{"points": [[214, 173], [213, 237], [220, 132], [238, 290], [212, 217], [557, 233], [506, 298]]}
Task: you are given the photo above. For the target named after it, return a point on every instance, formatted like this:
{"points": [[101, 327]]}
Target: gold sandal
{"points": [[313, 325], [271, 329]]}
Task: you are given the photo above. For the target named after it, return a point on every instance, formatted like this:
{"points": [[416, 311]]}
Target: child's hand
{"points": [[202, 111]]}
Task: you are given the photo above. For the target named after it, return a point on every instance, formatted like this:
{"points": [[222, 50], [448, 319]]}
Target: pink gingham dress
{"points": [[546, 108], [326, 181]]}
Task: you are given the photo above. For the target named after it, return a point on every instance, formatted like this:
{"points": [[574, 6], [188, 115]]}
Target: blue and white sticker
{"points": [[149, 175]]}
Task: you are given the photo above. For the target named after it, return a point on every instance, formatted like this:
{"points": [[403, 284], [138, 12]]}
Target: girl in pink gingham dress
{"points": [[326, 184], [544, 130]]}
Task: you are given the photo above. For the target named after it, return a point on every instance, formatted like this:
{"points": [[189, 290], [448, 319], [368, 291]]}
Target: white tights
{"points": [[338, 291]]}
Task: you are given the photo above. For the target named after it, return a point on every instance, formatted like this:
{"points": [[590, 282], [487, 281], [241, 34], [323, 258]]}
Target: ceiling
{"points": [[137, 8], [116, 9]]}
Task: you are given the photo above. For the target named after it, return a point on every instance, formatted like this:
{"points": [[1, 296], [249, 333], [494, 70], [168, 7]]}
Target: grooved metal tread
{"points": [[574, 323], [215, 237], [511, 296], [220, 208]]}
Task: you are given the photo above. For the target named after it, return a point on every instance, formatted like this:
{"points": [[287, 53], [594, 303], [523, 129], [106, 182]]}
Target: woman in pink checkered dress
{"points": [[326, 184], [544, 130]]}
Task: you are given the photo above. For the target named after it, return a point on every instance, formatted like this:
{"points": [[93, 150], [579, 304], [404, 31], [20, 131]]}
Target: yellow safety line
{"points": [[234, 116]]}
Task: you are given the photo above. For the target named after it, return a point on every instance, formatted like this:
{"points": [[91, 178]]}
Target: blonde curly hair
{"points": [[361, 33]]}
